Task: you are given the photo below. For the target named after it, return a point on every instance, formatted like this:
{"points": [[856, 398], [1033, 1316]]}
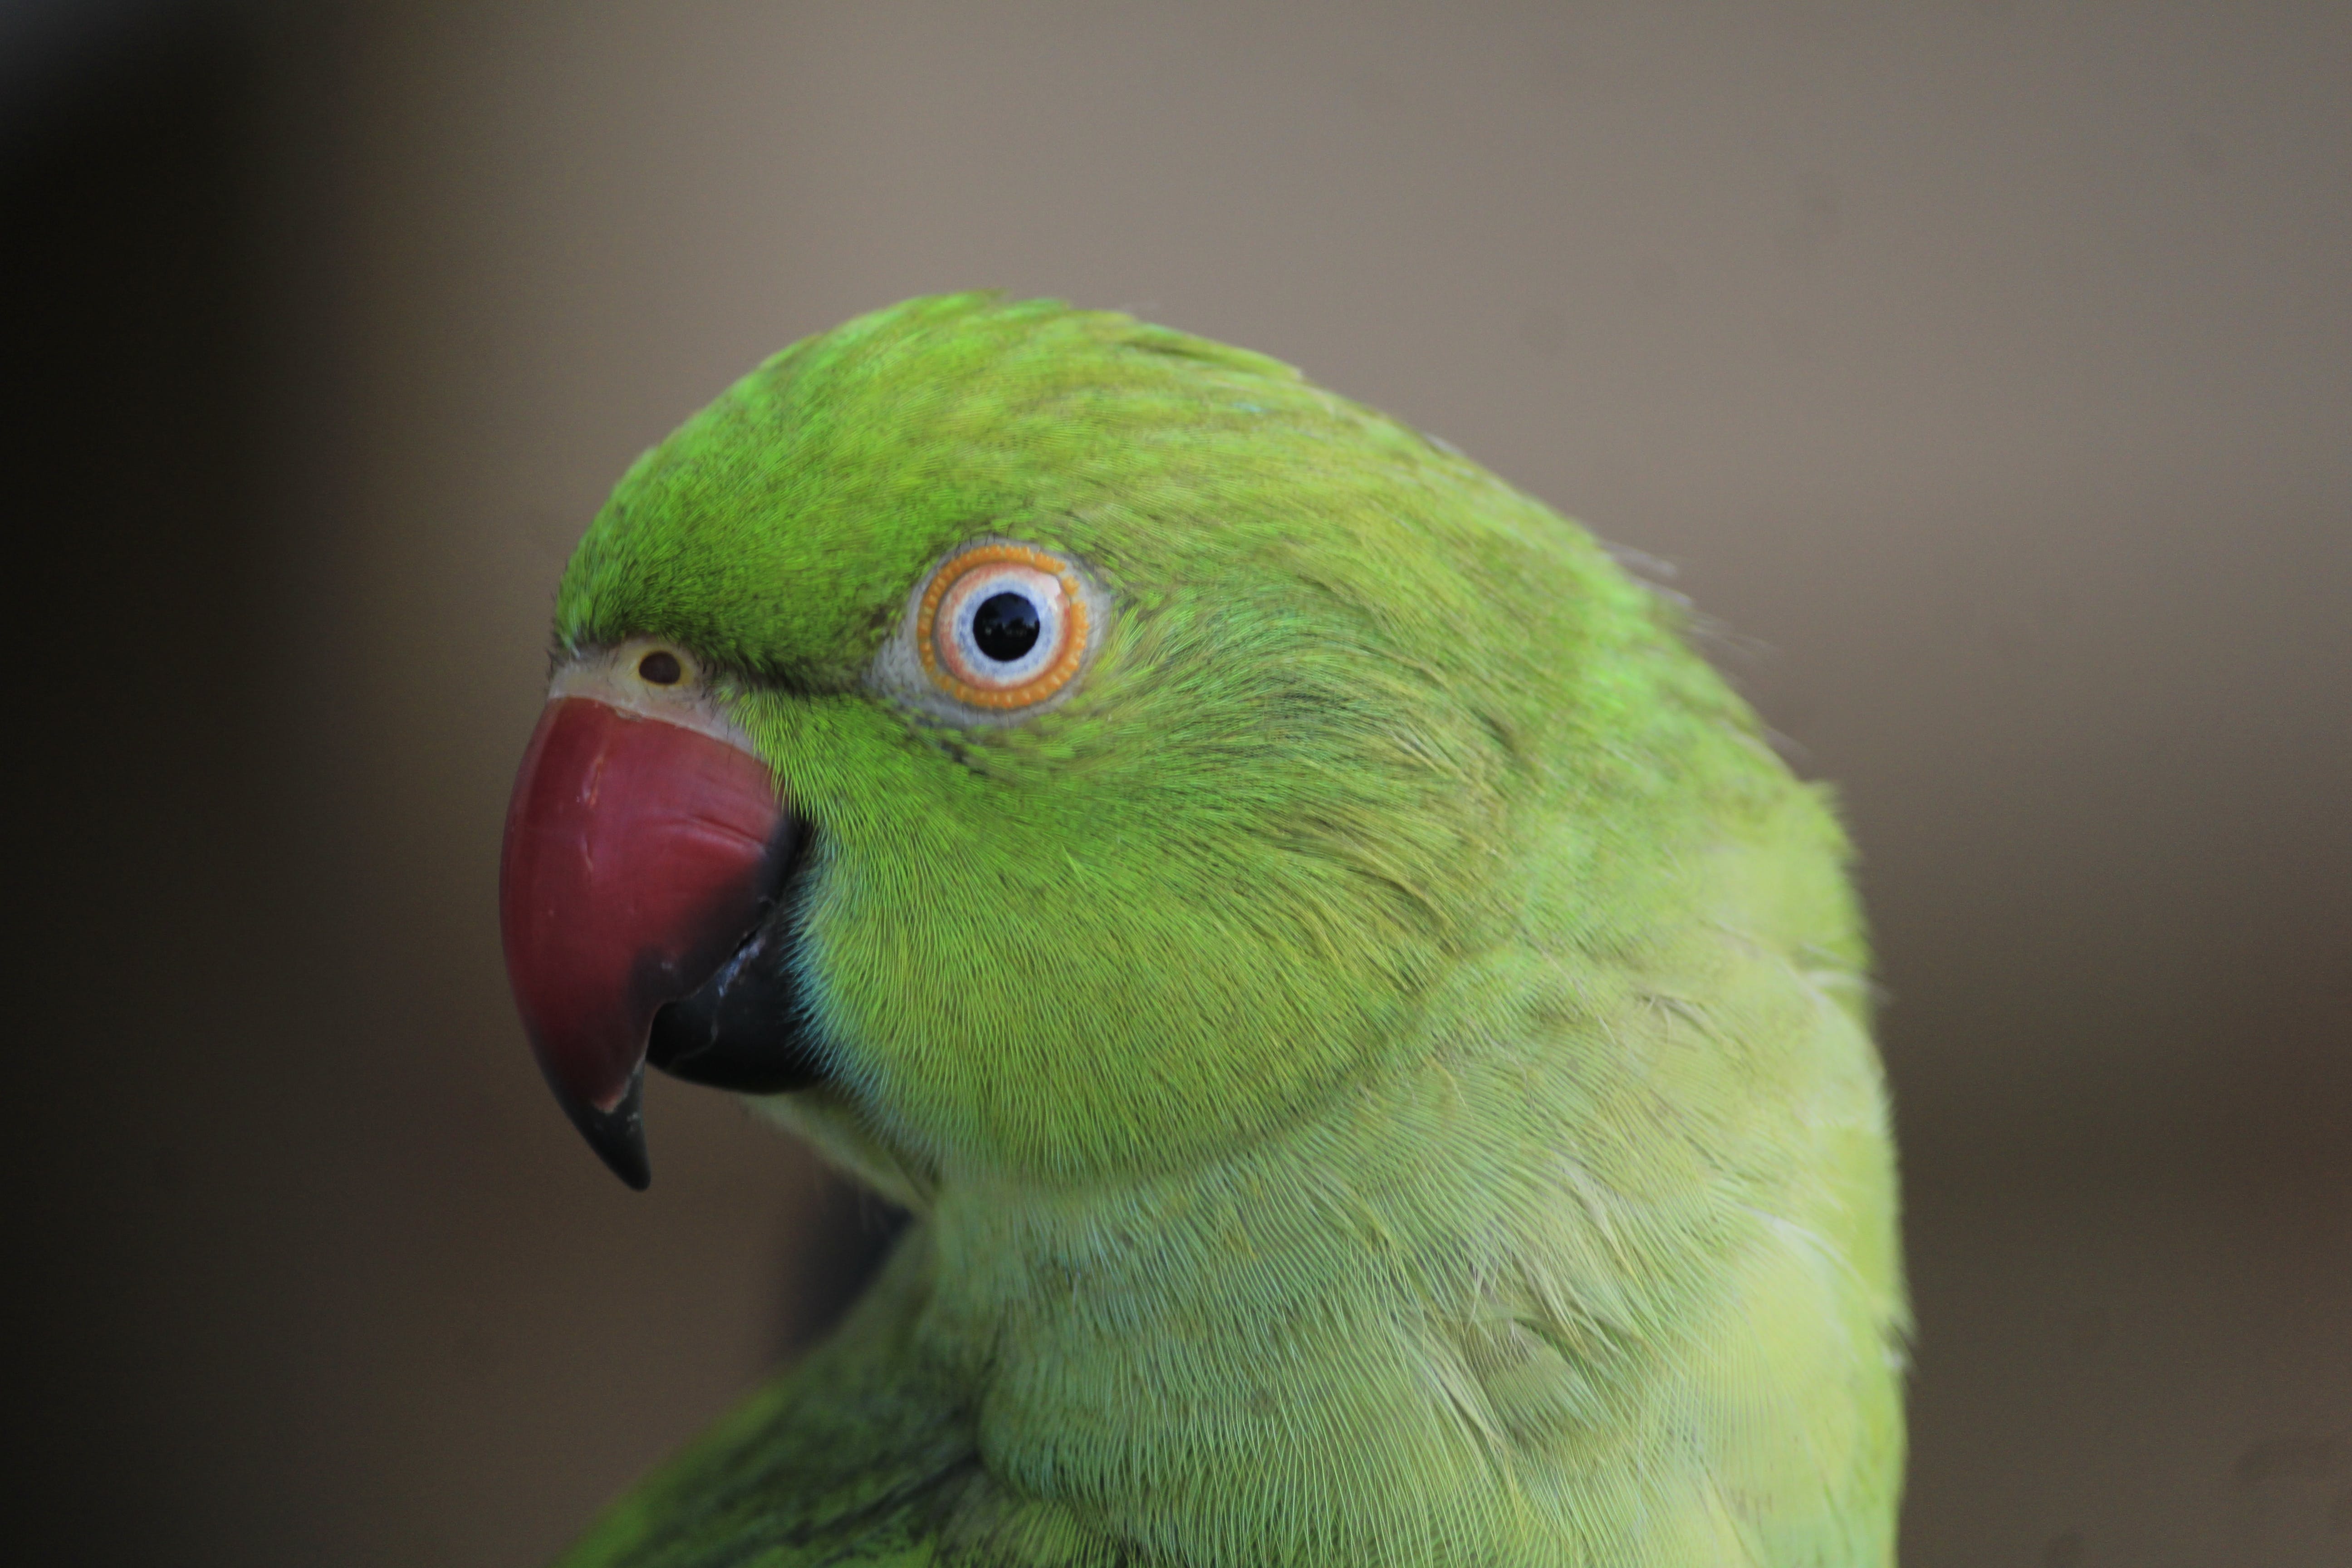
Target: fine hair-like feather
{"points": [[1381, 1066]]}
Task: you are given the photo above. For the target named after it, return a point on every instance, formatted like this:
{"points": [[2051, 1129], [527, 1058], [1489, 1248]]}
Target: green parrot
{"points": [[1375, 1045]]}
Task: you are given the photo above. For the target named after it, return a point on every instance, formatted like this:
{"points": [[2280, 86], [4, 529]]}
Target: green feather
{"points": [[1381, 1069]]}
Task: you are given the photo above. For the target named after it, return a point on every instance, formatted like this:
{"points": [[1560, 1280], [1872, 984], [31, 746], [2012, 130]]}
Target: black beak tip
{"points": [[617, 1135]]}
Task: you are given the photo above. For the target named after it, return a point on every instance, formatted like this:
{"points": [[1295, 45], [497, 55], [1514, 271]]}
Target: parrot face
{"points": [[1375, 1042], [1126, 805]]}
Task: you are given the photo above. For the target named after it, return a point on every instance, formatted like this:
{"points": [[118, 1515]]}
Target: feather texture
{"points": [[1382, 1067]]}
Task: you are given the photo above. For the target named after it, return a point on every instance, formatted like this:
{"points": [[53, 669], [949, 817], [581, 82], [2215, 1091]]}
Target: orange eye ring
{"points": [[952, 652]]}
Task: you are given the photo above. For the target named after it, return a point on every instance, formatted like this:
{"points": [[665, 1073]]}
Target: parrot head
{"points": [[1028, 738]]}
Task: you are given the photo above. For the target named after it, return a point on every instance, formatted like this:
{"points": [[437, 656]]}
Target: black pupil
{"points": [[661, 668], [1005, 626]]}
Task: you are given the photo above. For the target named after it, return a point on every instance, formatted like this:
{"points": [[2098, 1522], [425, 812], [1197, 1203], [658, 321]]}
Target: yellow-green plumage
{"points": [[1382, 1069]]}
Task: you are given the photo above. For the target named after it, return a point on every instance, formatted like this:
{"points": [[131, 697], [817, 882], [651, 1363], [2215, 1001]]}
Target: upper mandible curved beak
{"points": [[640, 854]]}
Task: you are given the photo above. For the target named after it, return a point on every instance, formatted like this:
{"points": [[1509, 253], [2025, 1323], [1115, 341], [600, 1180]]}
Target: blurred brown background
{"points": [[1986, 368]]}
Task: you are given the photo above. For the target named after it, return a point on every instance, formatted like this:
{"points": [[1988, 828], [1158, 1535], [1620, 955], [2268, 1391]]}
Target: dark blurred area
{"points": [[1986, 368]]}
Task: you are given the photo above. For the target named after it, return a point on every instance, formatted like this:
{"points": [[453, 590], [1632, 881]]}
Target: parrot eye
{"points": [[660, 668], [1002, 625]]}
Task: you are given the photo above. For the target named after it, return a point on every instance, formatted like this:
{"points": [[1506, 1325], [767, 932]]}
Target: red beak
{"points": [[639, 855]]}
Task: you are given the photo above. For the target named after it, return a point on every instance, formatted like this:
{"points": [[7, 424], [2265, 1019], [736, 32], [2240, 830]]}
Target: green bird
{"points": [[1374, 1043]]}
